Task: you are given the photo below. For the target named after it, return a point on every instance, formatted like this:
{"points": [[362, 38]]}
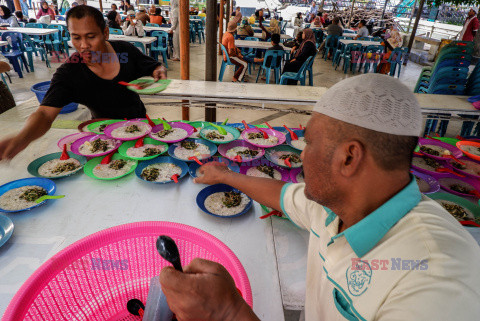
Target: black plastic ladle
{"points": [[167, 248], [135, 307]]}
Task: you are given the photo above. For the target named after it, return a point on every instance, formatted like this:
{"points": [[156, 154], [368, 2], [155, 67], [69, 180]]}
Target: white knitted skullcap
{"points": [[373, 101]]}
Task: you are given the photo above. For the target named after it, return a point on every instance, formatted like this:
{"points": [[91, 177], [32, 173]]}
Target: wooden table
{"points": [[282, 36], [32, 31], [255, 44], [364, 43], [91, 205]]}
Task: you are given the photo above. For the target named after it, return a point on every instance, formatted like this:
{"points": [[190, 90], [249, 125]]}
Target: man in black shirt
{"points": [[89, 77]]}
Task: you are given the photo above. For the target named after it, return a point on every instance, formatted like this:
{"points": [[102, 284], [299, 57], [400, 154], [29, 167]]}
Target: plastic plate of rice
{"points": [[200, 148], [10, 193], [194, 167], [50, 166], [223, 201], [118, 167], [160, 170]]}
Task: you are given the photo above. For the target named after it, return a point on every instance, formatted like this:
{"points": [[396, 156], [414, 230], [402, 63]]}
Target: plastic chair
{"points": [[309, 69], [60, 18], [55, 40], [31, 47], [330, 45], [114, 31], [224, 63], [318, 36], [397, 58], [192, 32], [272, 61], [34, 25], [64, 36], [152, 25], [375, 51], [347, 55], [297, 76], [250, 52], [14, 52], [140, 46], [200, 31], [160, 45]]}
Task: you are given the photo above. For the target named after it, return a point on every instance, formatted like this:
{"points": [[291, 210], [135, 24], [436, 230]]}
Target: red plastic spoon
{"points": [[150, 122], [265, 135], [292, 134], [448, 170], [64, 153], [301, 127], [269, 126], [107, 159], [455, 159], [430, 137], [139, 143], [274, 212], [287, 162], [174, 178], [474, 193], [418, 154], [245, 124], [469, 223], [195, 159], [124, 83], [238, 158]]}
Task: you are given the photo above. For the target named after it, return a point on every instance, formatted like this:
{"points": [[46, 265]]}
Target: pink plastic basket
{"points": [[94, 278]]}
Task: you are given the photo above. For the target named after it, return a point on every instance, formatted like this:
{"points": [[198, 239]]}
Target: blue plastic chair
{"points": [[64, 36], [224, 63], [330, 45], [200, 31], [397, 58], [14, 52], [152, 25], [140, 46], [347, 55], [192, 32], [60, 18], [160, 46], [31, 47], [340, 49], [374, 50], [272, 61], [297, 76], [310, 69], [54, 41], [114, 31], [250, 52], [34, 25]]}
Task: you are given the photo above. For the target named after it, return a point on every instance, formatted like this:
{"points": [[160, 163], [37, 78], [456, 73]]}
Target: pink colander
{"points": [[94, 278]]}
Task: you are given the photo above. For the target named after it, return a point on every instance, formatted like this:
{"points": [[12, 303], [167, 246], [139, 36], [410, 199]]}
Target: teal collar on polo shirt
{"points": [[364, 235]]}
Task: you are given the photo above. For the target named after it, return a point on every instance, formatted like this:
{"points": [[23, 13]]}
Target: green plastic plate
{"points": [[229, 129], [159, 86], [90, 165], [91, 127], [35, 165], [147, 140], [475, 209]]}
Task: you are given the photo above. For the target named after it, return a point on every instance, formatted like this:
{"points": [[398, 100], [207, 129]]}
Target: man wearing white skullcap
{"points": [[378, 249]]}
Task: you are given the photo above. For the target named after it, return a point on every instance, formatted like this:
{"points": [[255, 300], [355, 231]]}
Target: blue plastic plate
{"points": [[300, 133], [207, 191], [210, 145], [46, 183], [192, 169], [6, 229], [161, 159]]}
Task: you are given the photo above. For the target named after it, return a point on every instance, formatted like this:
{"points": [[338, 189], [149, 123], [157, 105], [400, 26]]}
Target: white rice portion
{"points": [[196, 134], [472, 167], [471, 149], [469, 214], [299, 143], [422, 185], [213, 203], [275, 156], [232, 152], [420, 162], [228, 137], [176, 134], [448, 182], [104, 171], [140, 151], [270, 141], [167, 170], [197, 173], [85, 148], [121, 133], [253, 171], [202, 151], [11, 201], [441, 150], [300, 177], [47, 168]]}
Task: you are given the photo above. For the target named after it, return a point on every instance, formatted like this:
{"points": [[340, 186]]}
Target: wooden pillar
{"points": [[101, 5], [229, 12], [17, 5], [184, 21], [411, 16], [351, 14], [210, 52], [220, 24], [415, 25]]}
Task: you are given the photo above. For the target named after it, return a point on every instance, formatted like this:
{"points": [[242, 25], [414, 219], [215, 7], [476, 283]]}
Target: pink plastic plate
{"points": [[76, 145], [108, 130], [294, 173], [223, 149], [281, 136], [187, 127], [70, 139], [454, 150]]}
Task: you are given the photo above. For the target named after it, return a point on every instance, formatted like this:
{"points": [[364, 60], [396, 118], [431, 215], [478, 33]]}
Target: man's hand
{"points": [[205, 291], [159, 73], [213, 173], [10, 147]]}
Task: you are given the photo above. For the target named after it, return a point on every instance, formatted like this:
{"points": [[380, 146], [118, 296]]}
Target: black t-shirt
{"points": [[75, 82]]}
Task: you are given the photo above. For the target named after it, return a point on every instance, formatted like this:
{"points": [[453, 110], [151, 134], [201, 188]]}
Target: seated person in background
{"points": [[118, 18], [45, 10], [237, 15], [362, 30], [20, 17], [112, 20], [306, 49], [157, 17], [334, 29], [245, 30], [123, 6], [317, 22], [297, 42], [152, 9], [275, 41], [142, 15], [298, 20], [89, 77], [326, 20], [32, 20], [203, 13], [7, 18], [132, 26]]}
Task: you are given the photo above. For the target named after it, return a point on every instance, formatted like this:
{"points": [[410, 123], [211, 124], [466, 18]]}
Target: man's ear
{"points": [[349, 158]]}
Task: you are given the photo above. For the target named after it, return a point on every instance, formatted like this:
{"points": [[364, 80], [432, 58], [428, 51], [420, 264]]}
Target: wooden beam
{"points": [[229, 12], [220, 24], [18, 6], [415, 25], [184, 22], [210, 52], [101, 5], [351, 14]]}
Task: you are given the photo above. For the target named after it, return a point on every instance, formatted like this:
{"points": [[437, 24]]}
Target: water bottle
{"points": [[156, 308]]}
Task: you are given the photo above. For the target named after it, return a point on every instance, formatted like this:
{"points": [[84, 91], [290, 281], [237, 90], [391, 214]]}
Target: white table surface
{"points": [[364, 43], [44, 231], [144, 40], [32, 31], [3, 43], [282, 36], [60, 22], [149, 28], [255, 44]]}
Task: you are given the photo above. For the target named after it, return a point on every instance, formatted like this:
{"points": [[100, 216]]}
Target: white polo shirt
{"points": [[408, 260]]}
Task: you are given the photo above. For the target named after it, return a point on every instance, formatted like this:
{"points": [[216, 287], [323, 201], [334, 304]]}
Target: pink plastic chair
{"points": [[94, 278]]}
